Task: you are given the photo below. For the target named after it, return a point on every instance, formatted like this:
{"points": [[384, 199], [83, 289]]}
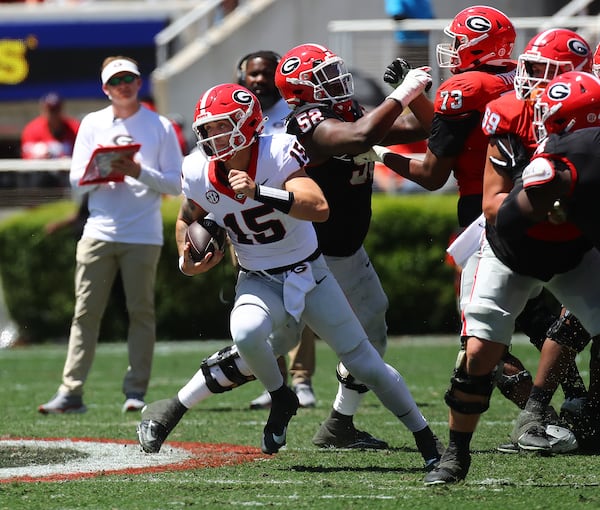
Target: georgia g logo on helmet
{"points": [[478, 24], [577, 47], [242, 97], [559, 91], [290, 65]]}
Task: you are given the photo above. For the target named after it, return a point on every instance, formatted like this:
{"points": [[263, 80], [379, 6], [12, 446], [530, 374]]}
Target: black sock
{"points": [[539, 399], [426, 443], [279, 393], [461, 441]]}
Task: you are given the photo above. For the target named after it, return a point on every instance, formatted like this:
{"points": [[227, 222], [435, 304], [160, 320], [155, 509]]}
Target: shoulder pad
{"points": [[306, 117], [469, 91], [502, 115]]}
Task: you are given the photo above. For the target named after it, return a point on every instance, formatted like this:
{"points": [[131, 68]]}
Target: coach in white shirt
{"points": [[123, 232]]}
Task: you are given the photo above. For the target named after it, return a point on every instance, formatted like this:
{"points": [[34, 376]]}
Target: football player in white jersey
{"points": [[256, 72], [257, 189]]}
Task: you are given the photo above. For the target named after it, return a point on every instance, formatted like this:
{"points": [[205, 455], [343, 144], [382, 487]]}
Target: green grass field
{"points": [[300, 476]]}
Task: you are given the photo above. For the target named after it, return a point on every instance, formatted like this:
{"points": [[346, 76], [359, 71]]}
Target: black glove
{"points": [[516, 156], [396, 72]]}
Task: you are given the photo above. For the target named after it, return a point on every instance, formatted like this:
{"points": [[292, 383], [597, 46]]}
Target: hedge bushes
{"points": [[406, 243]]}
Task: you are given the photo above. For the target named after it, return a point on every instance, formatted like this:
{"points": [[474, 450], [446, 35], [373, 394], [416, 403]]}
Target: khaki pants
{"points": [[302, 359], [97, 266]]}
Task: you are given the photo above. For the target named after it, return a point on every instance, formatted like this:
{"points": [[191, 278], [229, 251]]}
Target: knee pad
{"points": [[224, 362], [507, 383], [481, 385], [568, 331], [348, 381]]}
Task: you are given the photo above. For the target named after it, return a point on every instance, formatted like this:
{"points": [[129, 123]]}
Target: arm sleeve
{"points": [[511, 222], [448, 134]]}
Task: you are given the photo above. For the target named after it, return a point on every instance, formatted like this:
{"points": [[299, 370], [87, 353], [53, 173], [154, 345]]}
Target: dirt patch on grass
{"points": [[56, 459], [22, 455]]}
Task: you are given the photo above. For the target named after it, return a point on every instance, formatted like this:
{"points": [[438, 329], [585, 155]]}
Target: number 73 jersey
{"points": [[459, 106]]}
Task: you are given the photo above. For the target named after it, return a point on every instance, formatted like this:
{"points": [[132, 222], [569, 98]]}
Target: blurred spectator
{"points": [[226, 7], [176, 120], [51, 134], [412, 46]]}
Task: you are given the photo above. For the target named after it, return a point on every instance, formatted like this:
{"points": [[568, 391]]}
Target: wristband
{"points": [[279, 199], [181, 261]]}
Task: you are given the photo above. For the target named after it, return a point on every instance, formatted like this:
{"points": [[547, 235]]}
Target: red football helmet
{"points": [[571, 101], [596, 62], [311, 73], [234, 105], [480, 35], [555, 51]]}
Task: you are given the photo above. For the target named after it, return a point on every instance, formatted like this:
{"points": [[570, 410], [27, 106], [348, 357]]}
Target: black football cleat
{"points": [[275, 431]]}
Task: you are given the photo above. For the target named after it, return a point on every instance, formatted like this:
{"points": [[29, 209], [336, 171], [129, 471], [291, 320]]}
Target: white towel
{"points": [[298, 282], [467, 242]]}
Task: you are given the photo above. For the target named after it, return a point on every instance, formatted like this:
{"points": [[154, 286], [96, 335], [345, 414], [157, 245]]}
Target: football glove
{"points": [[374, 154], [414, 84], [515, 155], [396, 72]]}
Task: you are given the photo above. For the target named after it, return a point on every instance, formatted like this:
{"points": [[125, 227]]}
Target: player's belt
{"points": [[276, 270]]}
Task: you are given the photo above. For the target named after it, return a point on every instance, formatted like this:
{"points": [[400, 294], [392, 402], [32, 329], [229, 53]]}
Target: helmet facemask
{"points": [[222, 146], [448, 54], [528, 79], [330, 80]]}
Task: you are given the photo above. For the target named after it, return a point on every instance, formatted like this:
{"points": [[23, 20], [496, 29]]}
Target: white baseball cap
{"points": [[119, 66]]}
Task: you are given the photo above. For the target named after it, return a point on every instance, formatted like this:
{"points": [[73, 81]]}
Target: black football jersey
{"points": [[543, 251], [347, 186], [580, 149]]}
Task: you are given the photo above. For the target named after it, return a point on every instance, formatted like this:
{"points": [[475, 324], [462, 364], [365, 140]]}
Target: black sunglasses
{"points": [[117, 80]]}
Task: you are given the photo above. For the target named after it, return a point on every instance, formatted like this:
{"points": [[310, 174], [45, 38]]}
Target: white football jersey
{"points": [[263, 237]]}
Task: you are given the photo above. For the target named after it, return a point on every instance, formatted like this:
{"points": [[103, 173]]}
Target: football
{"points": [[204, 236]]}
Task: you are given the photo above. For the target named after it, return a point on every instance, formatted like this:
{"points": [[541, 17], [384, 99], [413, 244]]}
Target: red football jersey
{"points": [[507, 114], [461, 95]]}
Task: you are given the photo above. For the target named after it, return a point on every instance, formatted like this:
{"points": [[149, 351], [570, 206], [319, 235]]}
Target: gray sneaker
{"points": [[529, 432], [452, 468], [263, 401], [334, 434], [305, 395], [133, 404], [158, 420], [62, 404]]}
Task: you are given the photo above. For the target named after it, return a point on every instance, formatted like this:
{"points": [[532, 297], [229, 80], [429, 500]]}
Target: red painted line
{"points": [[203, 455]]}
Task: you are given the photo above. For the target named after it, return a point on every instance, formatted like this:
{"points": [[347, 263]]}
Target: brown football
{"points": [[204, 236]]}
